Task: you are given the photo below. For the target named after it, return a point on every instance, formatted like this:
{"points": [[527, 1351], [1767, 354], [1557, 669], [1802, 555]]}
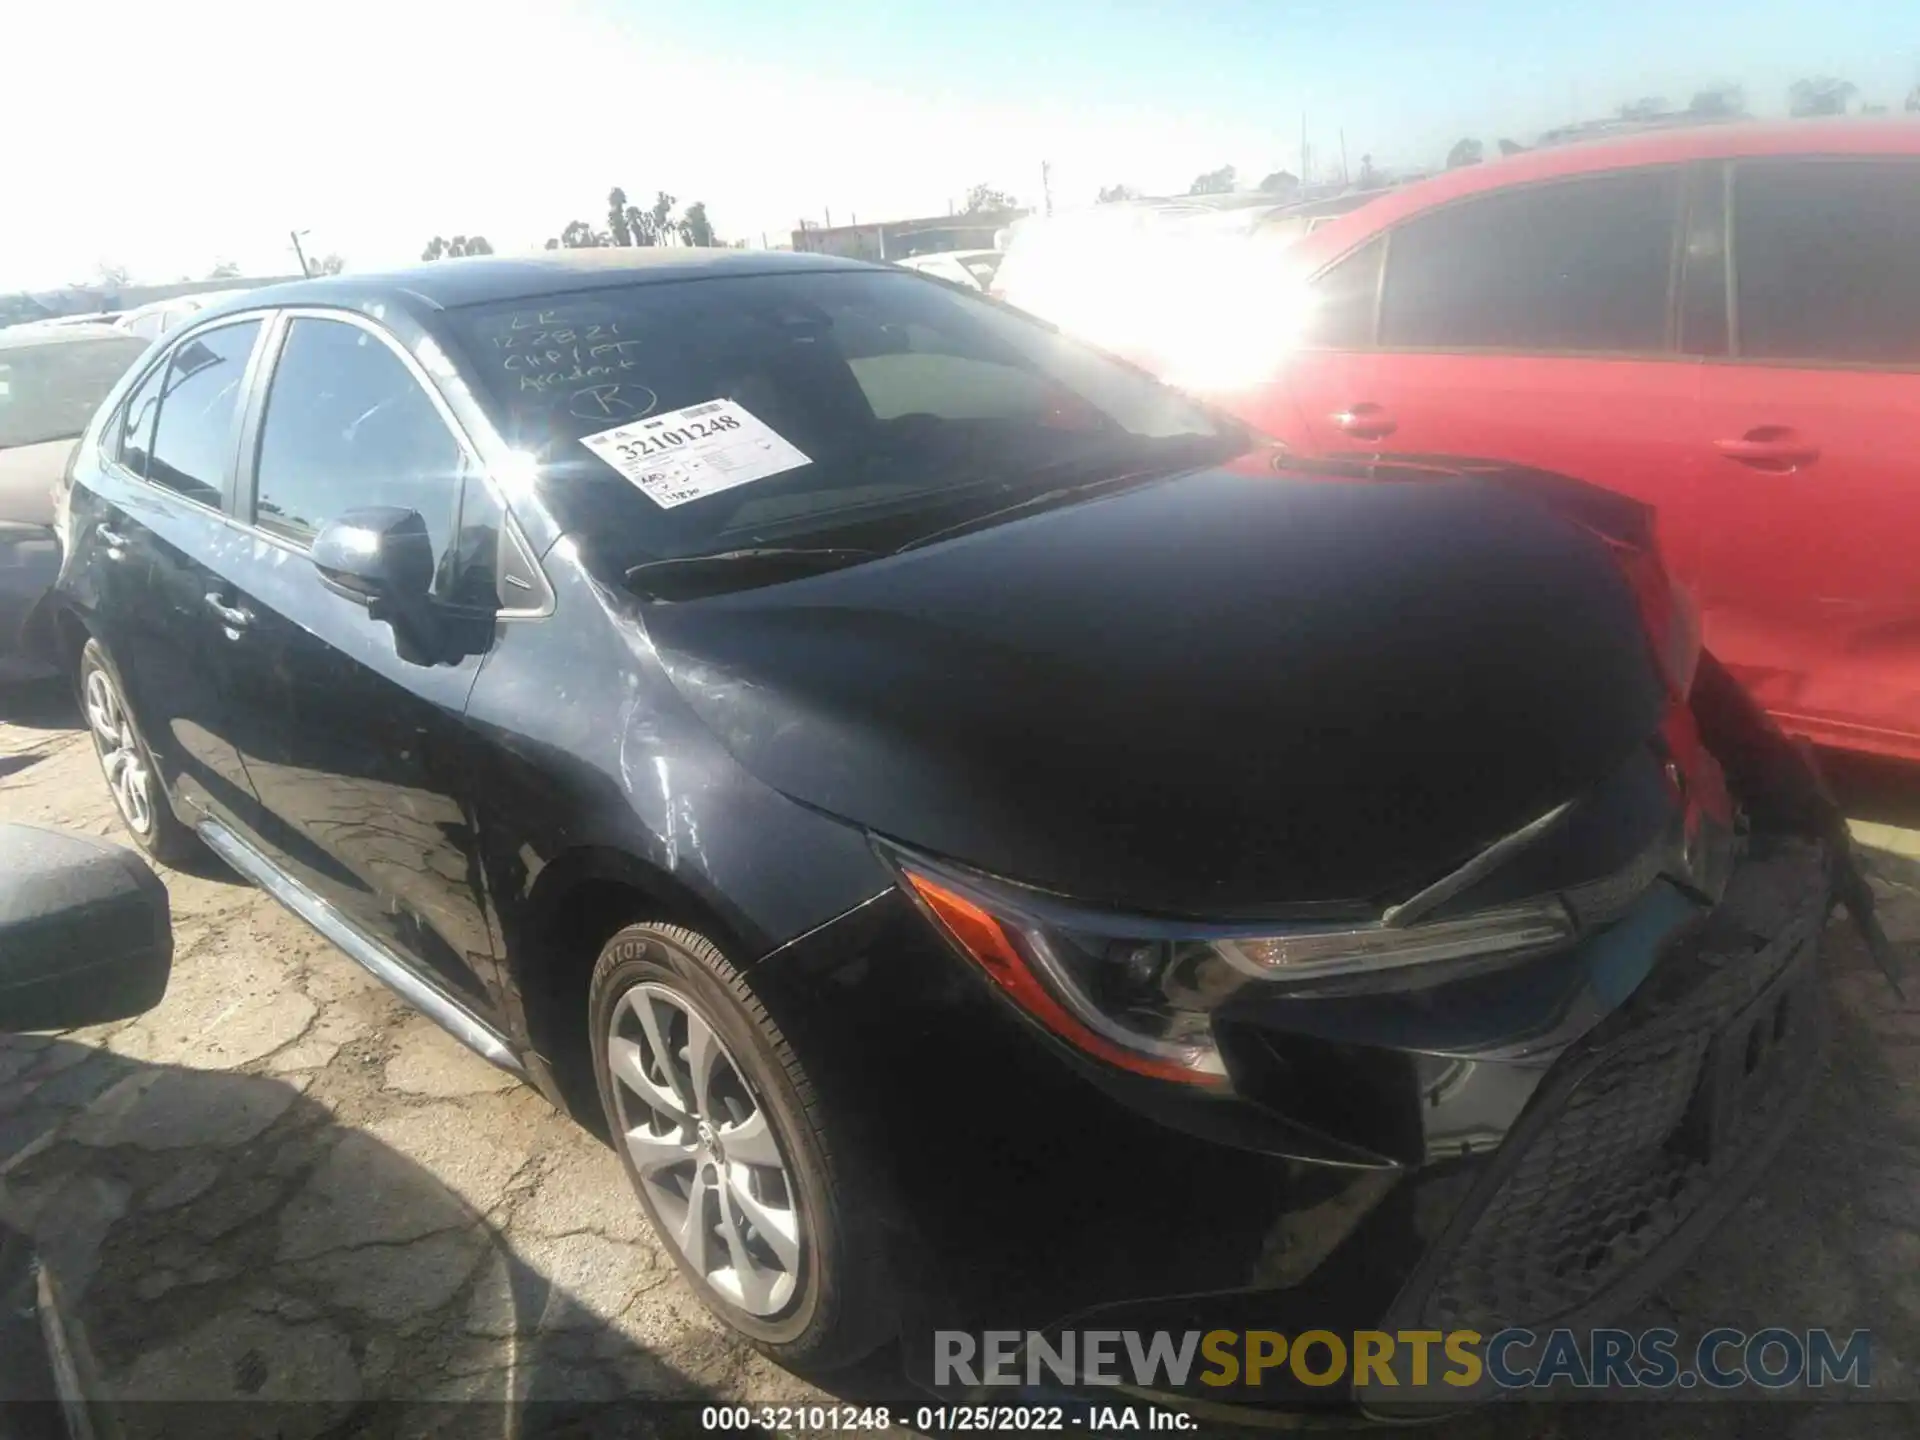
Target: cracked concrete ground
{"points": [[283, 1184]]}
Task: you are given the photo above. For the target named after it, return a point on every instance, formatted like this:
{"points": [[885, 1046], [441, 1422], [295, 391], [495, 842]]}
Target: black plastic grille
{"points": [[1627, 1138]]}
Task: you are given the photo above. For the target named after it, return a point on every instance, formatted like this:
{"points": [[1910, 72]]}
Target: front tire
{"points": [[127, 763], [724, 1140]]}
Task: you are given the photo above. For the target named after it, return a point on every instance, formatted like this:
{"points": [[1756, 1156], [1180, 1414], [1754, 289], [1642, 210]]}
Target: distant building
{"points": [[899, 239]]}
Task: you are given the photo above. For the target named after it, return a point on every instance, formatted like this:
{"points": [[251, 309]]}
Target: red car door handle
{"points": [[1769, 448], [1365, 421]]}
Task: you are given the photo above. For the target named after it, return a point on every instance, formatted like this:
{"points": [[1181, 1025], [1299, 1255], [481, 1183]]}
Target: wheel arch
{"points": [[578, 900]]}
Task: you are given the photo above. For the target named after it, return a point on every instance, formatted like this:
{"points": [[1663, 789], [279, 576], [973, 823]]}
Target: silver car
{"points": [[52, 378]]}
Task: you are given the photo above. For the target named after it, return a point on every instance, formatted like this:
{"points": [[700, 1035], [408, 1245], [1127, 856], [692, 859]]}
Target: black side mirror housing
{"points": [[86, 933], [381, 556]]}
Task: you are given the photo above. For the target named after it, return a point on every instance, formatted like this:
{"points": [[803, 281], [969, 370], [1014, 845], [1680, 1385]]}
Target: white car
{"points": [[153, 320], [974, 269]]}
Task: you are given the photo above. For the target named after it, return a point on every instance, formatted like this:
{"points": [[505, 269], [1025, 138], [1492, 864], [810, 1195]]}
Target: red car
{"points": [[1723, 321]]}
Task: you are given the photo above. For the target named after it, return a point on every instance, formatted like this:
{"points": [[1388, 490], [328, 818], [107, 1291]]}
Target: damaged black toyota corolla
{"points": [[986, 835]]}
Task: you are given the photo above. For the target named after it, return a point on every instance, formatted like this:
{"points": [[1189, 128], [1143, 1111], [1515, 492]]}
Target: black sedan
{"points": [[980, 831]]}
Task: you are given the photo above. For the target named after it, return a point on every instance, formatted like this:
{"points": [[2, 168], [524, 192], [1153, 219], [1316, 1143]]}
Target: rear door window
{"points": [[1575, 266], [1341, 302], [1827, 260], [193, 413]]}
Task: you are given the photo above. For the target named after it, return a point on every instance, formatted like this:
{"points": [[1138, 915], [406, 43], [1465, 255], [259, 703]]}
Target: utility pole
{"points": [[295, 235], [1343, 154], [1306, 155], [1046, 184]]}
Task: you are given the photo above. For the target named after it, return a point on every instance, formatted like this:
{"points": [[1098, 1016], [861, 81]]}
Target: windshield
{"points": [[50, 391], [865, 407]]}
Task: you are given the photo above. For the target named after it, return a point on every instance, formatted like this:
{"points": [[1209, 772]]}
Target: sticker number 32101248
{"points": [[689, 454]]}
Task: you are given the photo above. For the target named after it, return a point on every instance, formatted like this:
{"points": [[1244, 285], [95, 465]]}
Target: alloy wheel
{"points": [[702, 1146], [118, 747]]}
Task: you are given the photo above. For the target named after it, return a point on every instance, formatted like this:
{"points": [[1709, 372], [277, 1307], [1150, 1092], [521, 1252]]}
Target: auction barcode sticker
{"points": [[690, 454]]}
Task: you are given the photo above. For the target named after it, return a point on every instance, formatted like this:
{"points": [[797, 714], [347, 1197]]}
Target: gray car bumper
{"points": [[29, 563]]}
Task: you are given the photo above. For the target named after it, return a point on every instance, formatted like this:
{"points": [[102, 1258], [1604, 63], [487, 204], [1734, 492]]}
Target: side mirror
{"points": [[86, 934], [382, 557]]}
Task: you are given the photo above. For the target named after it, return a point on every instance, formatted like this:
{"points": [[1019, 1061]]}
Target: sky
{"points": [[373, 125]]}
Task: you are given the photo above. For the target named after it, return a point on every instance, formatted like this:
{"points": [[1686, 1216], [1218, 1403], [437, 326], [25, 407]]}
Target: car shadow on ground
{"points": [[1874, 788], [45, 713], [40, 705], [230, 1259]]}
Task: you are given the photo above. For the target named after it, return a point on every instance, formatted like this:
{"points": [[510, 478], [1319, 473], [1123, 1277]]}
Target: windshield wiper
{"points": [[688, 577], [1045, 499]]}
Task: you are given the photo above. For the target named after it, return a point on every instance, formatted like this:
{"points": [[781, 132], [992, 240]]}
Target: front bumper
{"points": [[1642, 1134], [1538, 1148]]}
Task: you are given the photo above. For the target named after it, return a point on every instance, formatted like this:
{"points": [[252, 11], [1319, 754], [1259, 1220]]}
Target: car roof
{"points": [[19, 337], [481, 279], [1663, 146]]}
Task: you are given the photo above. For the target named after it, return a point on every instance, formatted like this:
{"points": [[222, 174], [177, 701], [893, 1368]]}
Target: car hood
{"points": [[1224, 695], [28, 474]]}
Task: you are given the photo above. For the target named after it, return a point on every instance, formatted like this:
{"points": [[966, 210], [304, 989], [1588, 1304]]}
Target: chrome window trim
{"points": [[476, 465], [167, 345]]}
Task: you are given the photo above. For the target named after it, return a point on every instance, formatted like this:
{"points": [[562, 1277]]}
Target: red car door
{"points": [[1534, 324], [1810, 589]]}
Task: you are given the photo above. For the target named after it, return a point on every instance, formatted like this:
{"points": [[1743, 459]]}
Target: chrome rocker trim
{"points": [[380, 962]]}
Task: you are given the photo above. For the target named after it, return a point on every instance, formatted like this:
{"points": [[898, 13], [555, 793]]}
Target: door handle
{"points": [[234, 617], [115, 542], [1770, 447], [1365, 421]]}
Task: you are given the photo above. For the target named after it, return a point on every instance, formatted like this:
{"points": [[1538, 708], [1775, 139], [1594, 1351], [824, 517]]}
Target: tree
{"points": [[1718, 102], [1467, 151], [114, 277], [985, 200], [1649, 108], [1280, 182], [579, 235], [333, 264], [1511, 147], [1913, 99], [225, 270], [1369, 178], [1822, 95], [660, 219], [620, 216], [438, 249], [1112, 193], [695, 228], [1214, 182]]}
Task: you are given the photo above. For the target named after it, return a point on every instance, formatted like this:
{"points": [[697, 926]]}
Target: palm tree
{"points": [[1823, 95]]}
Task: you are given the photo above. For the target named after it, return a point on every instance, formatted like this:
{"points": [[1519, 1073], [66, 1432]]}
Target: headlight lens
{"points": [[1147, 1004]]}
